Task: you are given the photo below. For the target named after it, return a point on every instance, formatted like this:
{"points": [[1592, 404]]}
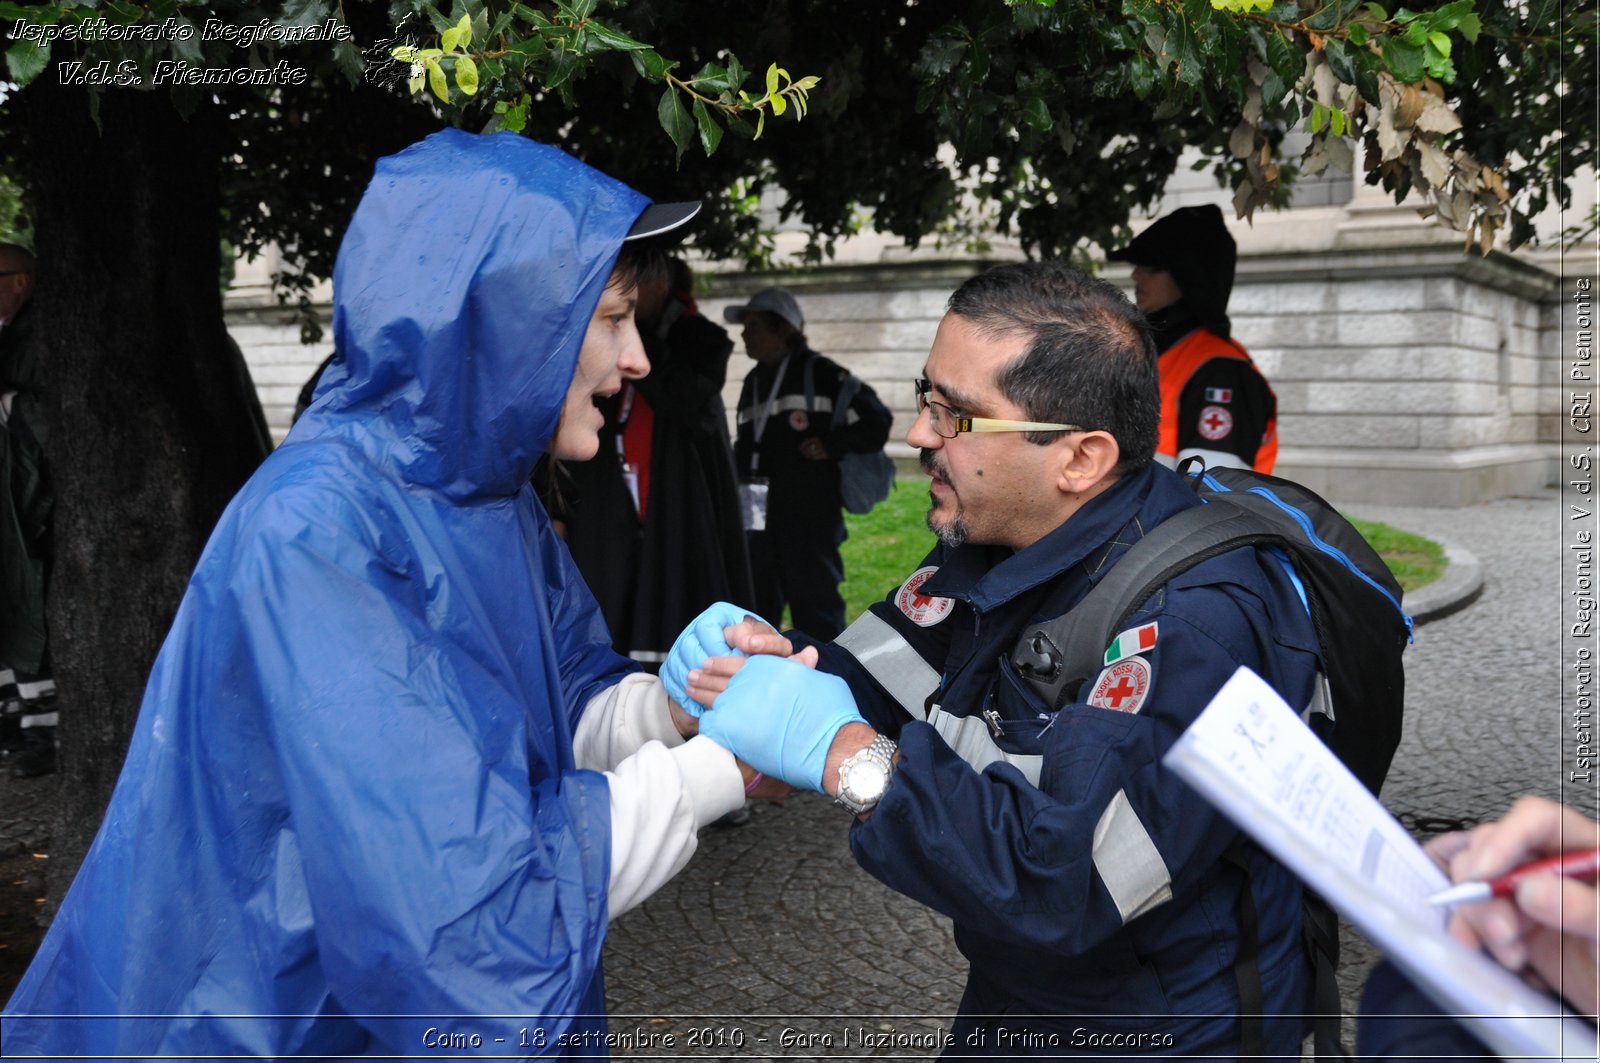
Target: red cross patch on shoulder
{"points": [[1215, 423], [924, 610], [798, 420], [1123, 686]]}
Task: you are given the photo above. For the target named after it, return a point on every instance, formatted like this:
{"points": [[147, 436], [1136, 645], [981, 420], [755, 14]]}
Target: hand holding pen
{"points": [[1543, 925]]}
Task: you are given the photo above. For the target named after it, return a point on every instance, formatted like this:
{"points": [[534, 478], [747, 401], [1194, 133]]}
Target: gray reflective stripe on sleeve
{"points": [[788, 404], [1128, 861], [969, 737], [890, 660]]}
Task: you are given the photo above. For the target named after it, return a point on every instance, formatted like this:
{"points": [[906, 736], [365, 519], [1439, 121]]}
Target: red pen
{"points": [[1580, 863]]}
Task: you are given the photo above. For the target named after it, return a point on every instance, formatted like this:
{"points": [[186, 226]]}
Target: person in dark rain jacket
{"points": [[788, 449]]}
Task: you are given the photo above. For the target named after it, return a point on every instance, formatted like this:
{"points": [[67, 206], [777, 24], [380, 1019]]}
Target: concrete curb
{"points": [[1458, 588]]}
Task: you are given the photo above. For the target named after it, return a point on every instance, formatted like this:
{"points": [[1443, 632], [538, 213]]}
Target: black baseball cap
{"points": [[659, 219]]}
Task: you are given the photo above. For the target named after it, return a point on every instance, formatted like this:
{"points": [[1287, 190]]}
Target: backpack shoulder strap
{"points": [[811, 392], [1054, 656], [842, 401]]}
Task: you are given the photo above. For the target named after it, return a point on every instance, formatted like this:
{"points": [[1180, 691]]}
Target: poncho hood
{"points": [[462, 293]]}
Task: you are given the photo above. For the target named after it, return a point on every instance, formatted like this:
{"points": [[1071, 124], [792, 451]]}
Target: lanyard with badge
{"points": [[753, 491], [630, 471]]}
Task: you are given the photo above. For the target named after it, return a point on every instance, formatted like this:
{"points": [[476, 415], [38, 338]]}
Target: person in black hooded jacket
{"points": [[1215, 404]]}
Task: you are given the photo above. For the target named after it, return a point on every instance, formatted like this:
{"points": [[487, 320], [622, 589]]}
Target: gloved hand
{"points": [[780, 717], [701, 639]]}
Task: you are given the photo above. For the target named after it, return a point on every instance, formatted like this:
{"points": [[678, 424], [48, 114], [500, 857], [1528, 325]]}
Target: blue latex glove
{"points": [[701, 639], [780, 717]]}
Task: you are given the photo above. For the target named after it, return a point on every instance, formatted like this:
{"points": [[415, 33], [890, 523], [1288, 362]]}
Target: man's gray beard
{"points": [[951, 535]]}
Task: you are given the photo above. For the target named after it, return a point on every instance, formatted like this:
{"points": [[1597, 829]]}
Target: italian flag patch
{"points": [[1130, 642], [1219, 394]]}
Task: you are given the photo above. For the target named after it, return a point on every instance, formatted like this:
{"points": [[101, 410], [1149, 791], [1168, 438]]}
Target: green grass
{"points": [[1413, 559], [886, 545]]}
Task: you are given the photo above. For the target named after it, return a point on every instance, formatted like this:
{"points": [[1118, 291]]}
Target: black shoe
{"points": [[38, 756], [34, 763], [737, 818]]}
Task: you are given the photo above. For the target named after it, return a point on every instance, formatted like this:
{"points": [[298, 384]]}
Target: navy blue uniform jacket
{"points": [[1086, 883]]}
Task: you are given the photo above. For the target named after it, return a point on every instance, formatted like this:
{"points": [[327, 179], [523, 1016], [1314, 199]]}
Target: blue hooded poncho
{"points": [[350, 811]]}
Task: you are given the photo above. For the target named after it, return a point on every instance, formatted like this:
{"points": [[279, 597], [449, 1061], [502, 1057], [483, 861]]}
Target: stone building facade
{"points": [[1404, 368]]}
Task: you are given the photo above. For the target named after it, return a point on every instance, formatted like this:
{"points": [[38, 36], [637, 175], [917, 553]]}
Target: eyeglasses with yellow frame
{"points": [[948, 424]]}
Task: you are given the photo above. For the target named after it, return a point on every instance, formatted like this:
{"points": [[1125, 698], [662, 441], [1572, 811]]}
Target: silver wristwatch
{"points": [[864, 776]]}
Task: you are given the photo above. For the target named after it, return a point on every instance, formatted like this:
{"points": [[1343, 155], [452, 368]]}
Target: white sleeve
{"points": [[620, 719], [660, 796]]}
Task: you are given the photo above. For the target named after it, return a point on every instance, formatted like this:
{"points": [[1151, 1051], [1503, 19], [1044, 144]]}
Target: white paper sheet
{"points": [[1251, 756]]}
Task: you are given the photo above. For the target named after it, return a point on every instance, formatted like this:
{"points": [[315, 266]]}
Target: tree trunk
{"points": [[151, 426]]}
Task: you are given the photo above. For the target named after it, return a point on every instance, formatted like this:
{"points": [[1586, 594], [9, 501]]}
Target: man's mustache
{"points": [[925, 456]]}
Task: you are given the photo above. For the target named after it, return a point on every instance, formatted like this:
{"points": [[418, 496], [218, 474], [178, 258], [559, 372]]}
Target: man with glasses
{"points": [[1103, 906]]}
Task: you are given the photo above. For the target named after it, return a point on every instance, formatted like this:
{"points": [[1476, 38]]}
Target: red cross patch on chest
{"points": [[1123, 686], [924, 610]]}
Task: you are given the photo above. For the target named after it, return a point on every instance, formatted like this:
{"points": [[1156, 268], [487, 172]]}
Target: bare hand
{"points": [[814, 449], [688, 725], [711, 678], [768, 789], [752, 636], [1550, 929]]}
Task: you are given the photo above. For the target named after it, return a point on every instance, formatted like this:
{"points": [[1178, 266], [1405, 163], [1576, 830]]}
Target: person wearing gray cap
{"points": [[1215, 404], [787, 450]]}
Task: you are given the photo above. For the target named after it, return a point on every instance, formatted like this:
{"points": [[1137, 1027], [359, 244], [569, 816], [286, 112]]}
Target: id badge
{"points": [[753, 503], [630, 477]]}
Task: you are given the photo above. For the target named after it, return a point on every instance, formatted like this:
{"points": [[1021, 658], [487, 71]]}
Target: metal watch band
{"points": [[882, 750]]}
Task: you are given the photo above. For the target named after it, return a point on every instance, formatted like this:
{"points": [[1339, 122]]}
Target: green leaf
{"points": [[779, 105], [1358, 35], [1440, 43], [710, 131], [464, 29], [1377, 12], [563, 64], [712, 78], [806, 84], [347, 58], [1339, 60], [1338, 122], [1142, 74], [531, 46], [1318, 113], [436, 81], [615, 40], [26, 61], [650, 65], [1405, 15], [1469, 27], [450, 38], [1404, 59], [1036, 114], [675, 120], [772, 80], [467, 75]]}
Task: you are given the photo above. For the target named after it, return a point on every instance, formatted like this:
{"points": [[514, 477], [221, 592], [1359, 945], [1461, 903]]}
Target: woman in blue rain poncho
{"points": [[389, 781]]}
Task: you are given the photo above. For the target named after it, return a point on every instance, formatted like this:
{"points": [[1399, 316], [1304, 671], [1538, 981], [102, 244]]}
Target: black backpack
{"points": [[1353, 599], [1361, 631]]}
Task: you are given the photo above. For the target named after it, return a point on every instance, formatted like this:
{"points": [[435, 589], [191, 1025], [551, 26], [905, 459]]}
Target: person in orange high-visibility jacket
{"points": [[1215, 404]]}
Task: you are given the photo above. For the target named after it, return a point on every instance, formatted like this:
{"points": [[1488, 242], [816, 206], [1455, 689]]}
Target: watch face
{"points": [[866, 780]]}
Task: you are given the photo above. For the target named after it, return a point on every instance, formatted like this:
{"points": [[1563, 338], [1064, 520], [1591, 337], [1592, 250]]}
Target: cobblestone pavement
{"points": [[773, 927]]}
